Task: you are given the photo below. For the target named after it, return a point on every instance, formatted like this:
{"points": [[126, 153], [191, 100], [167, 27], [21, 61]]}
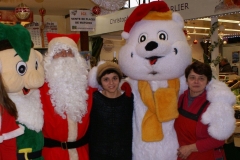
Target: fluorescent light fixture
{"points": [[205, 34], [229, 30], [196, 27], [220, 20]]}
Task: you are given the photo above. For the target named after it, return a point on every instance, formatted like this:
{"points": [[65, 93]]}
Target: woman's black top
{"points": [[110, 129]]}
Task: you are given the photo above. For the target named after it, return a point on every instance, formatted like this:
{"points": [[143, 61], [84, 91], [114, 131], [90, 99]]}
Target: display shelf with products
{"points": [[233, 82]]}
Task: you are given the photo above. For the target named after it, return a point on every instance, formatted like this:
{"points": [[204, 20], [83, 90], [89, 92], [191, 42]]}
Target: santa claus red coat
{"points": [[55, 127]]}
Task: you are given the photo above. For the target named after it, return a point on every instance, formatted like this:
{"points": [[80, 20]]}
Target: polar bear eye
{"points": [[142, 38], [162, 35], [21, 68]]}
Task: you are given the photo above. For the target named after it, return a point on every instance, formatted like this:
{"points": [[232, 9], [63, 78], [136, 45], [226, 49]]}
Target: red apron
{"points": [[185, 126]]}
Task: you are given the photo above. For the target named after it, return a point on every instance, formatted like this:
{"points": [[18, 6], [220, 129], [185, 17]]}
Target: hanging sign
{"points": [[82, 20], [188, 9]]}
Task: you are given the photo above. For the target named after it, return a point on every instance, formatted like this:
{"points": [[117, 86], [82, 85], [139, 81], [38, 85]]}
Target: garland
{"points": [[215, 25], [215, 44], [216, 61]]}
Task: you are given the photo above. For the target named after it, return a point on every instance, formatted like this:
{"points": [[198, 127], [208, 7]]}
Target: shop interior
{"points": [[108, 45]]}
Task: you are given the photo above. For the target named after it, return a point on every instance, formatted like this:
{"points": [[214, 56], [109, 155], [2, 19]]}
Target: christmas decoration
{"points": [[22, 11], [185, 32], [96, 10], [215, 25], [112, 5], [216, 61], [215, 44], [236, 2], [195, 41], [42, 11]]}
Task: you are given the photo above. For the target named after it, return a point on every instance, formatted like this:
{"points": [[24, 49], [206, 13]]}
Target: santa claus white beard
{"points": [[67, 80]]}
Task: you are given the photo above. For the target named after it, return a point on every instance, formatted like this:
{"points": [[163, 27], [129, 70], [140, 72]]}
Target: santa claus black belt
{"points": [[50, 143], [29, 155]]}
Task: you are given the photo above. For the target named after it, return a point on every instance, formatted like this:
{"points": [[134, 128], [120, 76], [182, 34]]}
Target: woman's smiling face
{"points": [[110, 82]]}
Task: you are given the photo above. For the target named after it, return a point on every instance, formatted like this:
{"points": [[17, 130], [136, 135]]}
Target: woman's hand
{"points": [[185, 151]]}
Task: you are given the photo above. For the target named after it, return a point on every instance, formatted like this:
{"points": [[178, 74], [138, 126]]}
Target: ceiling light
{"points": [[239, 24], [197, 27], [220, 20], [205, 34], [230, 30]]}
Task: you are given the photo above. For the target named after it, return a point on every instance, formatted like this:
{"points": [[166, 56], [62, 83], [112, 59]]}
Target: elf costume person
{"points": [[66, 100], [9, 129], [22, 75], [157, 48]]}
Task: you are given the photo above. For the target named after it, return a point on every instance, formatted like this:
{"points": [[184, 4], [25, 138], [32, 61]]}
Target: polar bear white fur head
{"points": [[156, 47]]}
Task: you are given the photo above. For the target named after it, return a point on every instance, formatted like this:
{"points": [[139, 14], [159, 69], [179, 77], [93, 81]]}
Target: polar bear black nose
{"points": [[151, 46]]}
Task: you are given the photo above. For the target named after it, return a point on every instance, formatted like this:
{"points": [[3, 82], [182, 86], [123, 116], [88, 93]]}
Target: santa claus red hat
{"points": [[68, 39], [156, 10]]}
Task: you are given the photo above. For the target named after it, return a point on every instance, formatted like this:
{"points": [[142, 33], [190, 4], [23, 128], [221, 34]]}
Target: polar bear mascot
{"points": [[154, 58]]}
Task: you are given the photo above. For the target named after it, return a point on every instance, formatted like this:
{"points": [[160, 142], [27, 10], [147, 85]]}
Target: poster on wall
{"points": [[49, 27], [235, 56], [34, 29], [82, 20]]}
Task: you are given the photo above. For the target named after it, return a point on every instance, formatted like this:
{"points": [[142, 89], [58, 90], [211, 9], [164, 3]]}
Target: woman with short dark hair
{"points": [[110, 128], [193, 137]]}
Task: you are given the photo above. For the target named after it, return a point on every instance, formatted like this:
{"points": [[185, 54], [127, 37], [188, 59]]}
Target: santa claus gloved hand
{"points": [[126, 87]]}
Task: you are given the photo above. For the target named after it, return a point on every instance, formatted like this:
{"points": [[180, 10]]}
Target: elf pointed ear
{"points": [[39, 56]]}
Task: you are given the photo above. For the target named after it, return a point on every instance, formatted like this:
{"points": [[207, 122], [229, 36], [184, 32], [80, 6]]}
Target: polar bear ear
{"points": [[178, 19]]}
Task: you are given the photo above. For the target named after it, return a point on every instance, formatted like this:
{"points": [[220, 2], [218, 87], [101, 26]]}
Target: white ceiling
{"points": [[53, 7]]}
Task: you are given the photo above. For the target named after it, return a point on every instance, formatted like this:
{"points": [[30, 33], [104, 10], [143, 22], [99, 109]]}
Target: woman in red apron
{"points": [[194, 141]]}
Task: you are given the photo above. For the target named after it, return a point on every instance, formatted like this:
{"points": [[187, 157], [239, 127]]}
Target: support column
{"points": [[214, 38], [84, 41]]}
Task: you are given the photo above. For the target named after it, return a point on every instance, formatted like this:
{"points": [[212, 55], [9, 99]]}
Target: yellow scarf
{"points": [[162, 107]]}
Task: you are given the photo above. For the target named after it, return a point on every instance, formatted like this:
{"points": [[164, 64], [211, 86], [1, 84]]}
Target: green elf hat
{"points": [[19, 38]]}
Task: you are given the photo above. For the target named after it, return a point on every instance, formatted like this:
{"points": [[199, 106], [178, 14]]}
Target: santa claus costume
{"points": [[66, 101]]}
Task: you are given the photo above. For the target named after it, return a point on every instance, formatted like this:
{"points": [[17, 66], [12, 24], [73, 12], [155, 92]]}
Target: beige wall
{"points": [[61, 21], [108, 55]]}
